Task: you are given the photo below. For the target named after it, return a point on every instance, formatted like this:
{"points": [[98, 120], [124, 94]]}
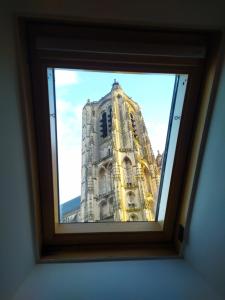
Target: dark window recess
{"points": [[133, 125], [110, 120], [103, 125]]}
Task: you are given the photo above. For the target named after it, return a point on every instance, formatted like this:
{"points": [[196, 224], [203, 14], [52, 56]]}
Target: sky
{"points": [[153, 93]]}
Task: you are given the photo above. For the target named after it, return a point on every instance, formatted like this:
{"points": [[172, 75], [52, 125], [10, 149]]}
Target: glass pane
{"points": [[111, 143]]}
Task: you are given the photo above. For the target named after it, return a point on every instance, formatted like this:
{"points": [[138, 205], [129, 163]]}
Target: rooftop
{"points": [[70, 206]]}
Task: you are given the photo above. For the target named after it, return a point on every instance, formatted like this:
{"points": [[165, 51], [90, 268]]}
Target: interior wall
{"points": [[16, 251], [191, 14], [205, 248], [165, 279]]}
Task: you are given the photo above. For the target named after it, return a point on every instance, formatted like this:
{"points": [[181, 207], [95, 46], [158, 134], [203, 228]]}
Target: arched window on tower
{"points": [[102, 181], [111, 212], [110, 119], [128, 171], [133, 218], [110, 178], [133, 123], [103, 125], [131, 200], [147, 179], [103, 210]]}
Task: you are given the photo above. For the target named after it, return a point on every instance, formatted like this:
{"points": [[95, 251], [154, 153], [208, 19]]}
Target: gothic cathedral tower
{"points": [[120, 175]]}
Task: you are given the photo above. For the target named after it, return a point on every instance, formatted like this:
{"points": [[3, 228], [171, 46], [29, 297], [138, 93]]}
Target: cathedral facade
{"points": [[120, 174]]}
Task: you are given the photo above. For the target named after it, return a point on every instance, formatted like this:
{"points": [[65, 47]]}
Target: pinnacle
{"points": [[115, 85]]}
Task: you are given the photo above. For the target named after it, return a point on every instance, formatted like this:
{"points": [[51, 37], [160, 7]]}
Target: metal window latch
{"points": [[181, 233]]}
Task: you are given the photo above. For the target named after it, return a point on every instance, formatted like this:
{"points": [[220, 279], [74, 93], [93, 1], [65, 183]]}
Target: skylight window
{"points": [[112, 149], [100, 102]]}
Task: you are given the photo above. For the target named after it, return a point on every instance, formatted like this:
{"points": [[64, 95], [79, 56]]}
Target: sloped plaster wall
{"points": [[205, 249], [16, 251]]}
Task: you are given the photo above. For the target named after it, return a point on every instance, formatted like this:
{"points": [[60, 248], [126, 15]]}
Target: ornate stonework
{"points": [[120, 175]]}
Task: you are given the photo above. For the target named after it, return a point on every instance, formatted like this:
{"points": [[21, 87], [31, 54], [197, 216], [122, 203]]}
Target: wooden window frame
{"points": [[63, 44]]}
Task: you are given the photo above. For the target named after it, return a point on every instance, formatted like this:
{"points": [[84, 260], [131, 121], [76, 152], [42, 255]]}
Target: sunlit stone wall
{"points": [[120, 175]]}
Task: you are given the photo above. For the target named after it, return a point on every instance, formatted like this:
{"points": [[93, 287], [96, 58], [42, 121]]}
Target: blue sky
{"points": [[153, 92]]}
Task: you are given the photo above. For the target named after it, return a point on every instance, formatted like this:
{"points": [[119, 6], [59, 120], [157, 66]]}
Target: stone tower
{"points": [[120, 175]]}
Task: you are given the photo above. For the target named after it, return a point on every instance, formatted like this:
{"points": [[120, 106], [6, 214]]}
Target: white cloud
{"points": [[157, 133], [65, 77], [70, 173], [69, 130]]}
